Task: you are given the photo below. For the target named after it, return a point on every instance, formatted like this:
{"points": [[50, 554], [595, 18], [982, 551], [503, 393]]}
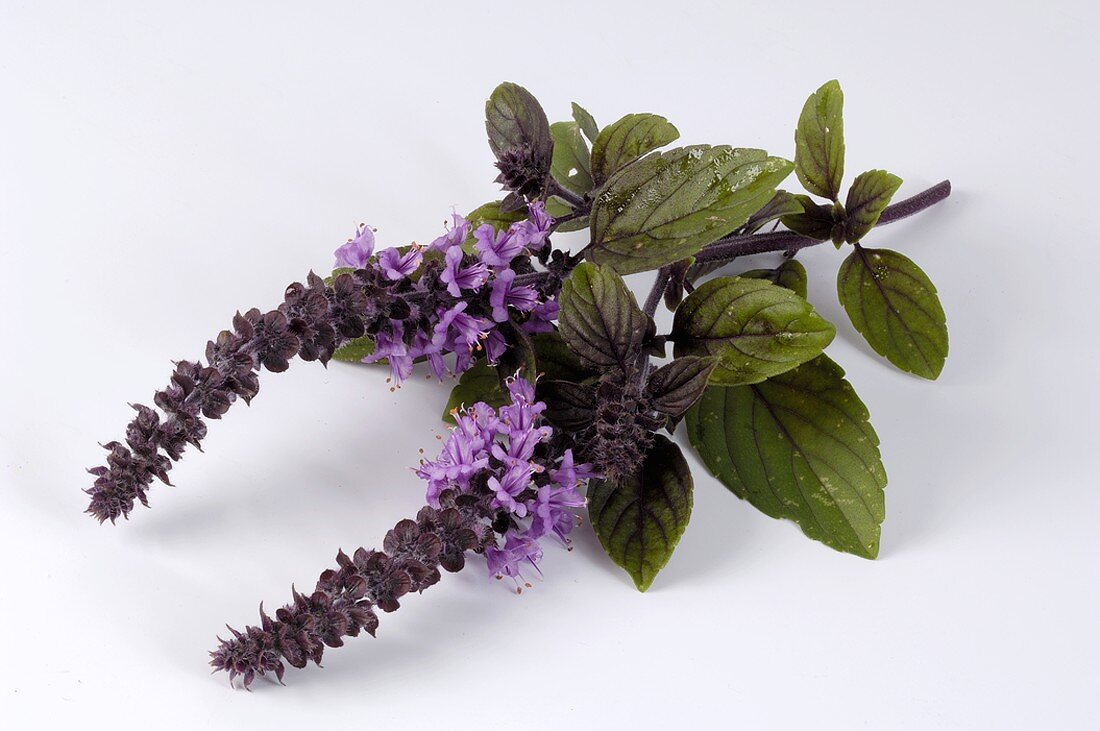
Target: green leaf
{"points": [[816, 221], [669, 205], [556, 361], [480, 382], [569, 406], [758, 330], [572, 164], [515, 120], [640, 521], [819, 142], [356, 350], [599, 317], [623, 142], [675, 386], [586, 122], [781, 204], [790, 275], [798, 446], [867, 198], [893, 304]]}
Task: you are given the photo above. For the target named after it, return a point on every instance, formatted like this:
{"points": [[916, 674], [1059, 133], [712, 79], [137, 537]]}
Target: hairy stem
{"points": [[731, 247], [658, 291]]}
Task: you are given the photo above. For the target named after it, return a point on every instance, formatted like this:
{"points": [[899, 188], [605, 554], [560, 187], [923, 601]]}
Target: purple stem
{"points": [[732, 247]]}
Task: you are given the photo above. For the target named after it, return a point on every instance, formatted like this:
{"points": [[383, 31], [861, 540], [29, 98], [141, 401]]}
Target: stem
{"points": [[658, 291], [568, 196], [531, 278], [732, 247]]}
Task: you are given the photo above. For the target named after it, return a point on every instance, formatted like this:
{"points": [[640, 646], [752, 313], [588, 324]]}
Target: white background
{"points": [[161, 167]]}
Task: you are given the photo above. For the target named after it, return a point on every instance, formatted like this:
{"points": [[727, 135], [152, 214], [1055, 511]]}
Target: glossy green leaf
{"points": [[819, 142], [675, 386], [758, 330], [480, 382], [798, 446], [894, 305], [572, 164], [599, 317], [626, 140], [867, 198], [515, 120], [640, 521], [781, 204], [586, 122], [356, 350], [816, 221], [556, 361], [790, 275], [668, 205]]}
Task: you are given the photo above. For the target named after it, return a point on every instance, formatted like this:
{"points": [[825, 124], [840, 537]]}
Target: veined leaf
{"points": [[624, 141], [586, 121], [599, 317], [569, 406], [790, 275], [894, 305], [819, 142], [514, 119], [355, 350], [781, 204], [668, 205], [798, 446], [556, 361], [572, 164], [640, 521], [867, 198], [758, 330], [675, 386]]}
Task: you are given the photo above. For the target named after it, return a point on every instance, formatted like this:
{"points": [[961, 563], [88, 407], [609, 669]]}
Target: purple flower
{"points": [[550, 510], [568, 474], [495, 345], [457, 277], [395, 266], [456, 328], [537, 225], [424, 346], [508, 487], [505, 293], [517, 550], [455, 236], [521, 446], [357, 250], [459, 461], [541, 319], [498, 248], [391, 346]]}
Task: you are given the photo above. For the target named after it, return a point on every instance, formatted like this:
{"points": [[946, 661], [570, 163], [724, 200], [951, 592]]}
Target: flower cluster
{"points": [[414, 303], [504, 457], [463, 296], [344, 600], [495, 488]]}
